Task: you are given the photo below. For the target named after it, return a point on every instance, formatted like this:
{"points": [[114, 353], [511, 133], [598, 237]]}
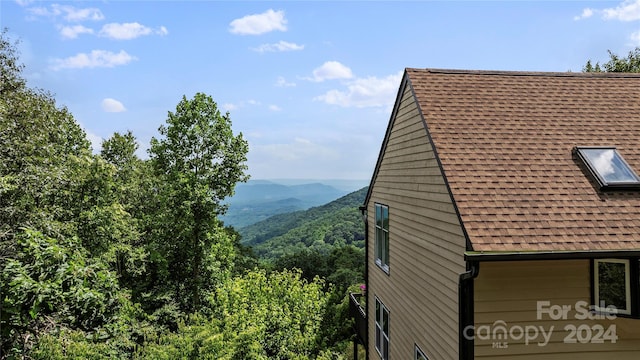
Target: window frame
{"points": [[628, 286], [418, 354], [600, 179], [381, 236], [633, 274], [380, 335]]}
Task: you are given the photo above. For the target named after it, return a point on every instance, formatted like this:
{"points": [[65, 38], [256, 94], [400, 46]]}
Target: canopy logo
{"points": [[500, 333]]}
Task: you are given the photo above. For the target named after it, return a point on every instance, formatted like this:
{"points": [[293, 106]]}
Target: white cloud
{"points": [[112, 105], [240, 105], [628, 10], [41, 11], [72, 32], [73, 14], [299, 149], [128, 31], [68, 12], [604, 163], [305, 157], [278, 47], [257, 24], [97, 58], [586, 13], [229, 107], [254, 134], [282, 82], [331, 70], [95, 140], [24, 2], [275, 108], [635, 38], [365, 92]]}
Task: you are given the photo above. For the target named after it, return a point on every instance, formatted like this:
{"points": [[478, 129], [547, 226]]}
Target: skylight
{"points": [[608, 167]]}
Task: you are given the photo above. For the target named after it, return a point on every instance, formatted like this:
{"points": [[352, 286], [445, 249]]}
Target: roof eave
{"points": [[530, 73], [548, 255]]}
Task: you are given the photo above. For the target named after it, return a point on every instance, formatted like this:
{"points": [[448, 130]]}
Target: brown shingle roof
{"points": [[505, 142]]}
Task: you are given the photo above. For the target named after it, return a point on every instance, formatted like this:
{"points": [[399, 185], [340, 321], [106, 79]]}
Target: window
{"points": [[382, 237], [382, 330], [608, 167], [612, 286], [616, 286], [419, 355]]}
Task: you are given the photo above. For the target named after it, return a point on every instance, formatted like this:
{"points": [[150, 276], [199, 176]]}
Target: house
{"points": [[503, 218]]}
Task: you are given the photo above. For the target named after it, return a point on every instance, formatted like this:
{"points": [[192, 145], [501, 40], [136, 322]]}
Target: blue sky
{"points": [[310, 84]]}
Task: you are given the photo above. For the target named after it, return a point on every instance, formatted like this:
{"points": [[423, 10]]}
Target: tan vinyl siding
{"points": [[509, 291], [426, 244]]}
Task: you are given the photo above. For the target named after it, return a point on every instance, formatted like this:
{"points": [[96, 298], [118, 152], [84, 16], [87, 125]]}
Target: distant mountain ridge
{"points": [[258, 200], [321, 228]]}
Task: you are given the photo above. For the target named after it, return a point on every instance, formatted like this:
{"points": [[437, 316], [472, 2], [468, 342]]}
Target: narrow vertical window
{"points": [[382, 330], [612, 288], [382, 236]]}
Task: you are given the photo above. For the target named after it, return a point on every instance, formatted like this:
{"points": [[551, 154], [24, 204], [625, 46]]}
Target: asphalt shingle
{"points": [[505, 142]]}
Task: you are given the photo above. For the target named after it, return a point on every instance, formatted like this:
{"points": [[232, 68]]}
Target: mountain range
{"points": [[258, 200], [321, 228]]}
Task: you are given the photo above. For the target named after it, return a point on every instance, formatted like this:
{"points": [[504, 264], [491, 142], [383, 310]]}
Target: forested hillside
{"points": [[320, 229], [258, 200]]}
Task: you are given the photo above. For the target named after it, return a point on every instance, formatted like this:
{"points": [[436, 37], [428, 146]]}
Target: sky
{"points": [[310, 84]]}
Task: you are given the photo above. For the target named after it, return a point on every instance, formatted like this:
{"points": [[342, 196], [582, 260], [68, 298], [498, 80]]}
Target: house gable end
{"points": [[426, 241], [405, 86]]}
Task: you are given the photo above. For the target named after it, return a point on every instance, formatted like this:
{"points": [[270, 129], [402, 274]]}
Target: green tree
{"points": [[64, 237], [120, 150], [347, 263], [52, 283], [630, 63], [310, 263], [244, 259], [131, 200], [41, 145], [258, 315], [10, 66], [271, 316], [198, 161], [134, 178]]}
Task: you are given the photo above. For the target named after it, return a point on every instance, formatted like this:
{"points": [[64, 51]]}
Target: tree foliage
{"points": [[271, 316], [52, 282], [342, 267], [199, 153], [616, 63], [110, 256], [198, 161], [42, 151], [10, 66]]}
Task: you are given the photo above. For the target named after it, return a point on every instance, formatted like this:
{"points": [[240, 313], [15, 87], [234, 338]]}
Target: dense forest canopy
{"points": [[320, 228], [107, 255]]}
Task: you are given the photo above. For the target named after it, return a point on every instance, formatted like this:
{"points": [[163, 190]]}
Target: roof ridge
{"points": [[524, 73]]}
